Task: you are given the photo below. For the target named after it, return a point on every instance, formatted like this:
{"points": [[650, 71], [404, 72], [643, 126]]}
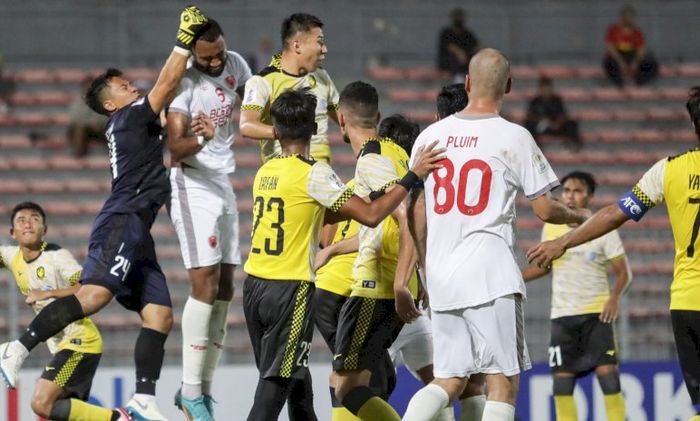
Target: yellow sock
{"points": [[83, 411], [342, 414], [615, 407], [376, 409], [695, 418], [566, 407]]}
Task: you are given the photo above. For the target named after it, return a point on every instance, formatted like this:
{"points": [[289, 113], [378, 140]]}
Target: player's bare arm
{"points": [[344, 246], [185, 137], [35, 295], [532, 272], [251, 126], [192, 20], [406, 264], [602, 222], [372, 214], [548, 209], [623, 276], [417, 223]]}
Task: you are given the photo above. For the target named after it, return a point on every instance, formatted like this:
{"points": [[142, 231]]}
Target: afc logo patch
{"points": [[41, 272], [231, 82], [213, 241]]}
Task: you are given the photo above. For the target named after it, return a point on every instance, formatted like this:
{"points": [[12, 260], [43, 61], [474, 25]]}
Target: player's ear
{"points": [[468, 84], [109, 106], [12, 233], [509, 85], [379, 118]]}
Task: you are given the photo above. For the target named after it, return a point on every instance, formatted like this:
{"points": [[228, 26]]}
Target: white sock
{"points": [[217, 334], [17, 346], [472, 408], [426, 403], [447, 414], [498, 411], [143, 398], [195, 336]]}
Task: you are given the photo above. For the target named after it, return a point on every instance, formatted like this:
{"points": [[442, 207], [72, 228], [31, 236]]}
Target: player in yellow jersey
{"points": [[291, 196], [44, 272], [583, 309], [675, 180], [297, 67]]}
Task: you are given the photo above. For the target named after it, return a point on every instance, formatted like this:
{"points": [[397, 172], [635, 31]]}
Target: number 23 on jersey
{"points": [[446, 193]]}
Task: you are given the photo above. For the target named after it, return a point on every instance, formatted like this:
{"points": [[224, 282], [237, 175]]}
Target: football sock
{"points": [[472, 408], [270, 396], [615, 407], [339, 412], [565, 408], [148, 359], [51, 320], [77, 410], [426, 403], [498, 411], [362, 402], [195, 332], [215, 347], [300, 401]]}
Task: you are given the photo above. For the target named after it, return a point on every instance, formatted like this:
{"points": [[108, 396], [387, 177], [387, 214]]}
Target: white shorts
{"points": [[414, 345], [489, 338], [205, 215]]}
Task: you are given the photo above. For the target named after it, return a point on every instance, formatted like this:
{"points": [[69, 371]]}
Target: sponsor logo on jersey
{"points": [[369, 284], [610, 352]]}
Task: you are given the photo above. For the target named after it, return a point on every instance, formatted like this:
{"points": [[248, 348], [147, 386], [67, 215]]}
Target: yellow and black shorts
{"points": [[73, 371], [279, 317], [366, 329]]}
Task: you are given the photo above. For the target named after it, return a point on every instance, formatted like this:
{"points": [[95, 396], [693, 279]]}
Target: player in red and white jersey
{"points": [[203, 206], [473, 280]]}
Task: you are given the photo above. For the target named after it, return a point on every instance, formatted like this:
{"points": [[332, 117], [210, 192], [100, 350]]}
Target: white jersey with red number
{"points": [[470, 207], [215, 97]]}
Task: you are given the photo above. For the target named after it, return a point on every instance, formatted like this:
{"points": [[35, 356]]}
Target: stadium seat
{"points": [[576, 95], [404, 95], [47, 185], [643, 94], [590, 72], [11, 186], [63, 162], [14, 142], [70, 75], [87, 185], [608, 94], [33, 76], [29, 163], [385, 73], [689, 70], [524, 72], [555, 71]]}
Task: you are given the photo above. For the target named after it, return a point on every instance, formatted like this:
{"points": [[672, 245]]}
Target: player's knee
{"points": [[563, 385], [158, 318], [454, 386], [205, 284], [475, 386], [610, 383], [41, 405]]}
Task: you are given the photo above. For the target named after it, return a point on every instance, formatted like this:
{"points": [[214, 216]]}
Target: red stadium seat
{"points": [[576, 95], [690, 70], [29, 163], [590, 72], [10, 186], [70, 75], [62, 208], [524, 72], [592, 114], [643, 94], [555, 71], [33, 76], [385, 73], [46, 186], [14, 142], [86, 185], [608, 94], [404, 95], [97, 162], [62, 162]]}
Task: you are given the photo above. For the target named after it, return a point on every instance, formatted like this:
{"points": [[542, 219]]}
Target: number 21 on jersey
{"points": [[446, 194]]}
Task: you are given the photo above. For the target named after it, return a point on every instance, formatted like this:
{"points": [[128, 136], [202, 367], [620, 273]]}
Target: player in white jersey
{"points": [[203, 207], [473, 280], [584, 309]]}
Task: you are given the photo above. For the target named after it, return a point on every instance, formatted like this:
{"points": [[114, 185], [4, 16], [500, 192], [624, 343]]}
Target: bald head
{"points": [[489, 72]]}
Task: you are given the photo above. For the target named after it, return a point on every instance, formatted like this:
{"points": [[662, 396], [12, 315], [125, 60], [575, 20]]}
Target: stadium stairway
{"points": [[624, 131]]}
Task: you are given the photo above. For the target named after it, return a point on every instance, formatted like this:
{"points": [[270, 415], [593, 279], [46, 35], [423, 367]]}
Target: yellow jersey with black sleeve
{"points": [[381, 163], [262, 89], [336, 275], [55, 268], [580, 276], [290, 196], [677, 181]]}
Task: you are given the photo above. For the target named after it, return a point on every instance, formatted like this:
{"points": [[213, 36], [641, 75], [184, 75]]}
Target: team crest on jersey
{"points": [[539, 162], [312, 81], [213, 241], [231, 82], [41, 272]]}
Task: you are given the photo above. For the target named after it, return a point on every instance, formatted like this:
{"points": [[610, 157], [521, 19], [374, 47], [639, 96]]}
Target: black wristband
{"points": [[409, 180], [374, 195]]}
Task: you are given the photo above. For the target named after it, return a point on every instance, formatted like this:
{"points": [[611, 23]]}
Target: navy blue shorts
{"points": [[122, 258]]}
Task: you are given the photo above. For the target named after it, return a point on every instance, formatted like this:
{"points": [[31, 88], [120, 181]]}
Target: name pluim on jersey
{"points": [[462, 141], [694, 181], [268, 182]]}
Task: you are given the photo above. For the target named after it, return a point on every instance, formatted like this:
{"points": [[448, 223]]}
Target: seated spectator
{"points": [[627, 58], [546, 115], [456, 47], [85, 125]]}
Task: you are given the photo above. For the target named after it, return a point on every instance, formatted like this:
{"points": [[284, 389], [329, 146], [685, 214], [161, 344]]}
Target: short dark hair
{"points": [[693, 107], [27, 205], [363, 101], [401, 130], [298, 22], [94, 97], [451, 99], [294, 115], [211, 31], [583, 176]]}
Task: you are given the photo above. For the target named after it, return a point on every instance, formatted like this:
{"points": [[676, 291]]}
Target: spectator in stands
{"points": [[546, 115], [627, 58], [7, 88], [261, 57], [85, 125], [457, 45]]}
